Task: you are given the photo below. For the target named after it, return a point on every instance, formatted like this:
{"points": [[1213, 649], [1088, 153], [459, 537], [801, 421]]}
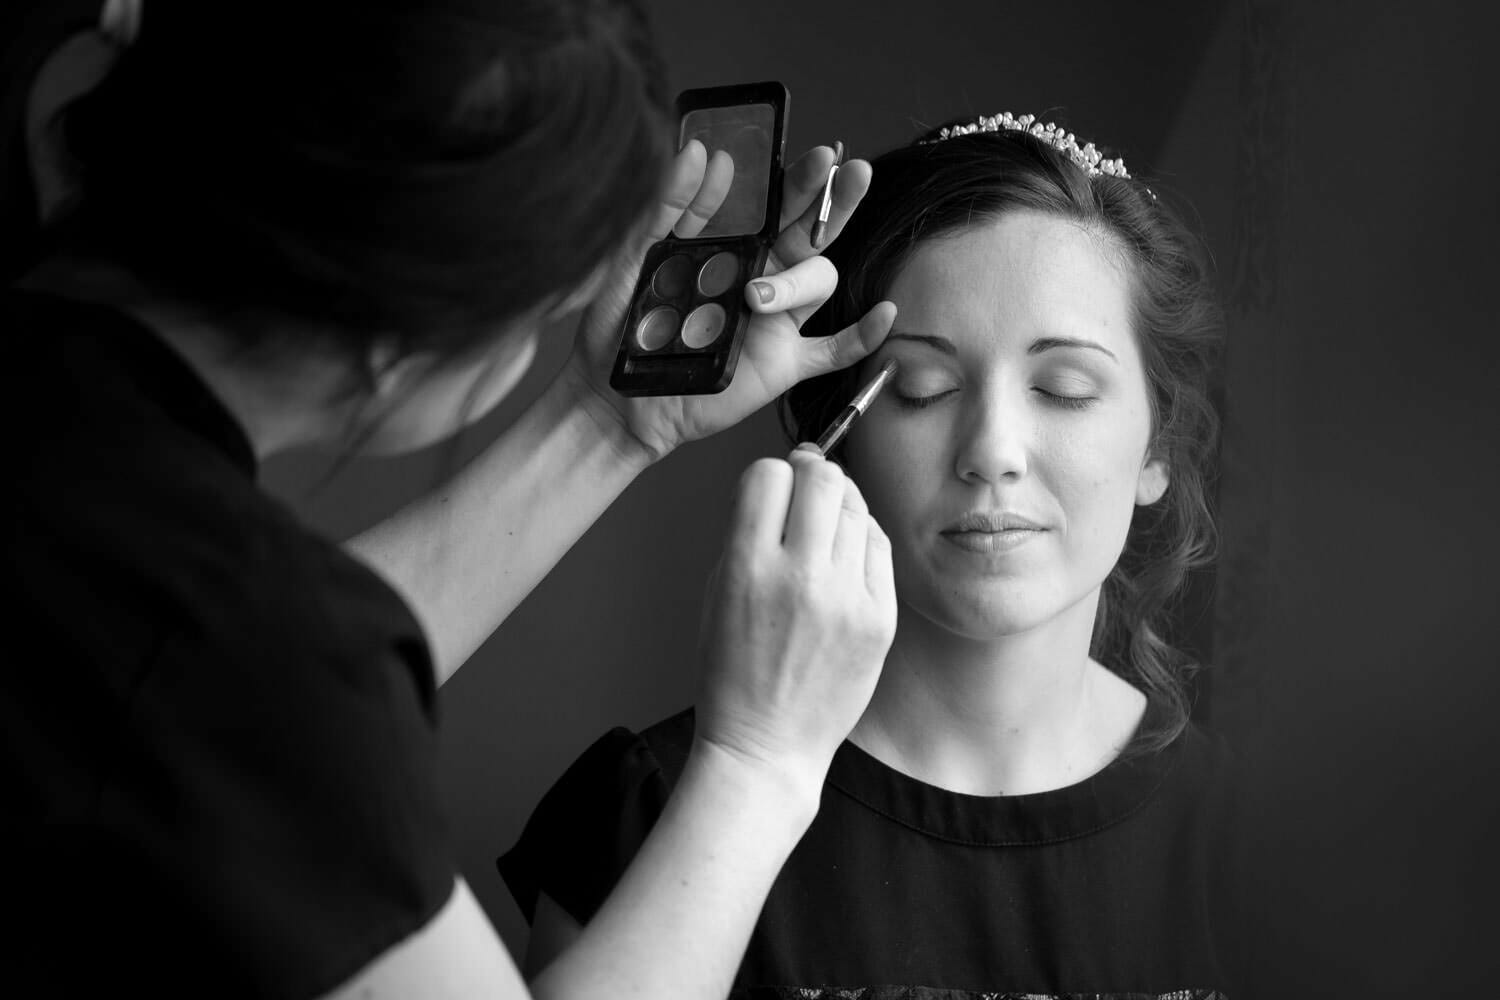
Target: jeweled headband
{"points": [[1090, 159]]}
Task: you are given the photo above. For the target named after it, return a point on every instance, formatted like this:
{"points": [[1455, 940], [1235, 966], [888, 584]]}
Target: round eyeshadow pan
{"points": [[673, 278], [703, 325], [657, 328], [718, 274]]}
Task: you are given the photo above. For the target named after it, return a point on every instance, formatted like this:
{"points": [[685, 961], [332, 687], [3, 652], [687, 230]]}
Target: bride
{"points": [[1025, 806]]}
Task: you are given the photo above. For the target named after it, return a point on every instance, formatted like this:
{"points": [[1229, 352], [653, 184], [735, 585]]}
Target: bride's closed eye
{"points": [[1068, 402], [919, 402], [917, 391], [1071, 391]]}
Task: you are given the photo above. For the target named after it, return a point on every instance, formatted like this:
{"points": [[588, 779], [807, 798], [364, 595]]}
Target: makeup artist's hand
{"points": [[775, 355], [799, 615]]}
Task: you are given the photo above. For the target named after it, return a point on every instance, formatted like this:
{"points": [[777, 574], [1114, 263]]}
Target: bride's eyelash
{"points": [[1067, 402], [1053, 398], [918, 402]]}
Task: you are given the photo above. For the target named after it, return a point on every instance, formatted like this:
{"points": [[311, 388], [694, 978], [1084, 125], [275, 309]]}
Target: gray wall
{"points": [[1353, 644]]}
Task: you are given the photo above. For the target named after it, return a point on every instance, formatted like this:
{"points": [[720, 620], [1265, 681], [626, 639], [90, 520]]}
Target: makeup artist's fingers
{"points": [[880, 574], [849, 187], [812, 520], [758, 519], [800, 289], [679, 192], [849, 540], [718, 177], [684, 180], [802, 184], [851, 345]]}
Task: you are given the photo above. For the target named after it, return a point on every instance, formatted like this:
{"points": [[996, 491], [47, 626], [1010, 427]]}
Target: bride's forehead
{"points": [[1030, 267], [1024, 247]]}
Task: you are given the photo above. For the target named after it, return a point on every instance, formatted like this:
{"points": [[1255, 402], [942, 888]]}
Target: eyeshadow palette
{"points": [[687, 317]]}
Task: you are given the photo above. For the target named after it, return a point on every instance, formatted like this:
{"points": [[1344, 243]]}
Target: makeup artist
{"points": [[343, 224]]}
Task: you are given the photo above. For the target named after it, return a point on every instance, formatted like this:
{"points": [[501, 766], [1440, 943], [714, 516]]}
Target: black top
{"points": [[1113, 887], [218, 747]]}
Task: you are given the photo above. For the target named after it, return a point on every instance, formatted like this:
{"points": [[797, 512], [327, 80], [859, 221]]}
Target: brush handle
{"points": [[830, 438]]}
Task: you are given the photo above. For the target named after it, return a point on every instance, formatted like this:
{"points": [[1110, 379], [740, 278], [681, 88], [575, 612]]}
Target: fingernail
{"points": [[763, 291], [809, 446]]}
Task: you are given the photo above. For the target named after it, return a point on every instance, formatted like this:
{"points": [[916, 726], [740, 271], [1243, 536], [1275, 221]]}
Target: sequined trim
{"points": [[934, 993]]}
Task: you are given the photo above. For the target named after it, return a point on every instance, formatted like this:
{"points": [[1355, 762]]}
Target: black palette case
{"points": [[687, 317]]}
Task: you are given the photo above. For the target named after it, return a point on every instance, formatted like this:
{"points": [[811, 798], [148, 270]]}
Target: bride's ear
{"points": [[1151, 484]]}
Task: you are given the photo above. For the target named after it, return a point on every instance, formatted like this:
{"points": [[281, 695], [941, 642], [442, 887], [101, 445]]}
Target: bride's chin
{"points": [[980, 622]]}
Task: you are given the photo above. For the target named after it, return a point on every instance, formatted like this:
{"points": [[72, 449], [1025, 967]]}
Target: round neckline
{"points": [[1102, 799]]}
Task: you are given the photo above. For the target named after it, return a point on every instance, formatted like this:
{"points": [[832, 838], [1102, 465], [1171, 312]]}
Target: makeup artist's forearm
{"points": [[677, 923], [468, 553]]}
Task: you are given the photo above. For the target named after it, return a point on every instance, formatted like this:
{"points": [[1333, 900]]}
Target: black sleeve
{"points": [[588, 827], [242, 842], [231, 794], [218, 731]]}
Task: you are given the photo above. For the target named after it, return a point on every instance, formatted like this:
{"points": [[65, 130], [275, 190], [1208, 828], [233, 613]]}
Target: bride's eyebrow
{"points": [[1048, 343], [942, 344]]}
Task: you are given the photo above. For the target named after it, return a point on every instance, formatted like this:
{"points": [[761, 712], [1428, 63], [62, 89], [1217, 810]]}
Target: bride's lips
{"points": [[992, 531]]}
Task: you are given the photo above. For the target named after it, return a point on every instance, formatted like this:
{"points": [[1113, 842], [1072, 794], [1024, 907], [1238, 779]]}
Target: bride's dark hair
{"points": [[927, 190]]}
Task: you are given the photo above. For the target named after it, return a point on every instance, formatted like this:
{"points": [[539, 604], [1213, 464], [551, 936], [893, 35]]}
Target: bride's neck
{"points": [[1008, 716]]}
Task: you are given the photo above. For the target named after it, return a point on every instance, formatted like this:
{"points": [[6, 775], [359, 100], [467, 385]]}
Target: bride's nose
{"points": [[994, 437]]}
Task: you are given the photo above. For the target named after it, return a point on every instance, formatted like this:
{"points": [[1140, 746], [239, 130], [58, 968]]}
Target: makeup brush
{"points": [[830, 438]]}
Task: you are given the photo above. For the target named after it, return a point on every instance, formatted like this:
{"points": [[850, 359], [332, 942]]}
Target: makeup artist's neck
{"points": [[1010, 716], [279, 406]]}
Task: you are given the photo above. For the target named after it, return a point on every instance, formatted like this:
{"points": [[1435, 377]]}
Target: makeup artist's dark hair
{"points": [[423, 168], [925, 191]]}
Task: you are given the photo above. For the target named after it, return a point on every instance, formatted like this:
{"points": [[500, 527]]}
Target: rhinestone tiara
{"points": [[1086, 156]]}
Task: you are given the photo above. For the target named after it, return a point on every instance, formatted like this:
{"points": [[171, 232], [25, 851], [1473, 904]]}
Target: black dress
{"points": [[216, 729], [1118, 886]]}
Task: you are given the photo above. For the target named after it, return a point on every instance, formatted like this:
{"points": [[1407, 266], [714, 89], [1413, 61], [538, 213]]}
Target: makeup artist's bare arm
{"points": [[467, 554]]}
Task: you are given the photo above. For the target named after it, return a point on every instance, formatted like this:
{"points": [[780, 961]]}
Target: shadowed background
{"points": [[1341, 162]]}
